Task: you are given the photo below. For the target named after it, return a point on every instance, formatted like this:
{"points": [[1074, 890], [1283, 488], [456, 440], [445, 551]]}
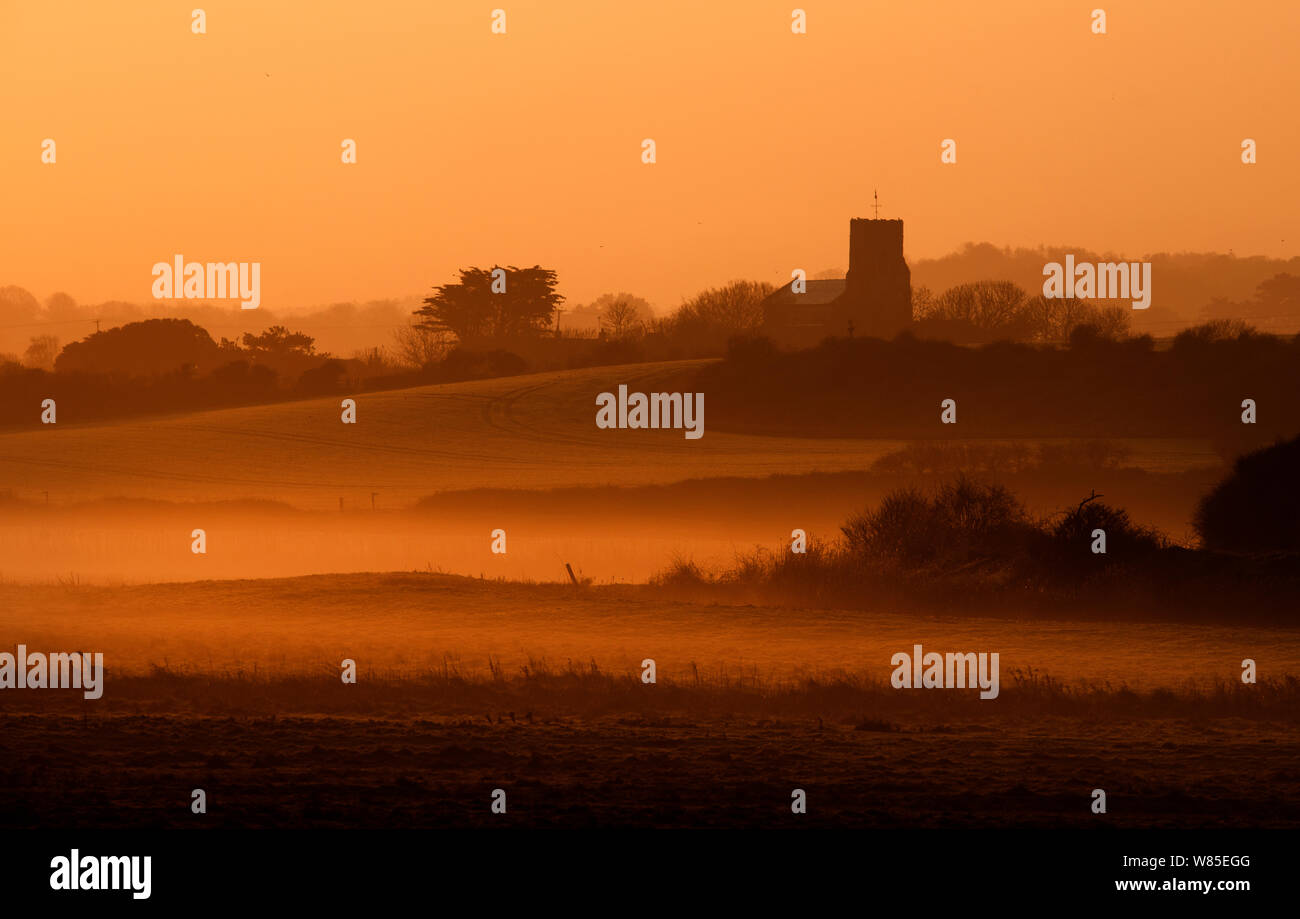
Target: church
{"points": [[874, 301]]}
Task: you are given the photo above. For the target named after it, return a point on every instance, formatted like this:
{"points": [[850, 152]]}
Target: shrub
{"points": [[1257, 507], [1072, 533], [963, 519]]}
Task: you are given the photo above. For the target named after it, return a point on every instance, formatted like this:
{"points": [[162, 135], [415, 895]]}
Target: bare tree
{"points": [[923, 303], [1112, 322], [418, 345], [990, 305], [1055, 319], [592, 316], [42, 352], [621, 319], [734, 308]]}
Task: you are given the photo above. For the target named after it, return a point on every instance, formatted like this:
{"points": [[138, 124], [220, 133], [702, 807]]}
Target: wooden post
{"points": [[569, 568]]}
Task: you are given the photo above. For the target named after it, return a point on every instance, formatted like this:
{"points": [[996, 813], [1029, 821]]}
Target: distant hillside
{"points": [[1182, 283], [532, 431], [339, 328]]}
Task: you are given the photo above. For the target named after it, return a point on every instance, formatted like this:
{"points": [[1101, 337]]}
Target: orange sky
{"points": [[477, 148]]}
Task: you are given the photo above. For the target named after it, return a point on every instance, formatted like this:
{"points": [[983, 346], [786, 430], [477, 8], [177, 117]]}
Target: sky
{"points": [[476, 148]]}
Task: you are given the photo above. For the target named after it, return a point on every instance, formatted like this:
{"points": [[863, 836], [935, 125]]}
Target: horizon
{"points": [[236, 155], [660, 309]]}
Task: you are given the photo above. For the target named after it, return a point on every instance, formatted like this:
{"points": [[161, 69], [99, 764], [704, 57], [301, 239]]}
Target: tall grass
{"points": [[539, 692]]}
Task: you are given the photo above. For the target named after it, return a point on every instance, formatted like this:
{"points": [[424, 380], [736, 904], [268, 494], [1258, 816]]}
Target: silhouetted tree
{"points": [[963, 518], [1257, 507], [419, 346], [1216, 330], [470, 309], [278, 341], [141, 348], [735, 307], [994, 306], [706, 322], [923, 301], [1056, 319], [621, 319]]}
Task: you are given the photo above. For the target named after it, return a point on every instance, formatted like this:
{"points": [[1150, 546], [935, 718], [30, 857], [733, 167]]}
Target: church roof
{"points": [[819, 293]]}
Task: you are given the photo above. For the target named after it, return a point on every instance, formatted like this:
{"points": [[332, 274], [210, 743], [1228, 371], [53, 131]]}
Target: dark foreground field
{"points": [[466, 685], [587, 749]]}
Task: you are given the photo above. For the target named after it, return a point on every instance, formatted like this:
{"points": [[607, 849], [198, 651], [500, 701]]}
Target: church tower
{"points": [[877, 297]]}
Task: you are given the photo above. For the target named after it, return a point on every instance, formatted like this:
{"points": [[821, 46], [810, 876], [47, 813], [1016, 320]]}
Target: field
{"points": [[323, 771], [406, 624], [427, 473], [535, 431], [467, 685], [479, 671]]}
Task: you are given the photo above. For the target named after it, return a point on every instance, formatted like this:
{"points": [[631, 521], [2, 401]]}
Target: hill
{"points": [[534, 431]]}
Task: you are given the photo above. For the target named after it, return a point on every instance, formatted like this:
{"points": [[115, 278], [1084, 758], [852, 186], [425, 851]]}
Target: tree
{"points": [[923, 302], [60, 307], [1276, 304], [993, 306], [471, 309], [1257, 507], [141, 348], [1111, 322], [590, 317], [42, 352], [621, 319], [1216, 330], [420, 346], [278, 341], [1057, 318], [734, 309], [18, 305]]}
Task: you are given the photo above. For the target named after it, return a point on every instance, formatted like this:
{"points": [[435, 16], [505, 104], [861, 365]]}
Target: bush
{"points": [[1125, 540], [902, 527], [154, 346], [964, 519], [1257, 508]]}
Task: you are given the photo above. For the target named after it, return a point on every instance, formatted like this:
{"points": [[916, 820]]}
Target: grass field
{"points": [[413, 623], [427, 473], [1040, 771], [466, 686], [223, 670], [532, 432]]}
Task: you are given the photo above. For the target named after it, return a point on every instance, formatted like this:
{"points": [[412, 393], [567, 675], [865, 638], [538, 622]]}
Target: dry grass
{"points": [[541, 691]]}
